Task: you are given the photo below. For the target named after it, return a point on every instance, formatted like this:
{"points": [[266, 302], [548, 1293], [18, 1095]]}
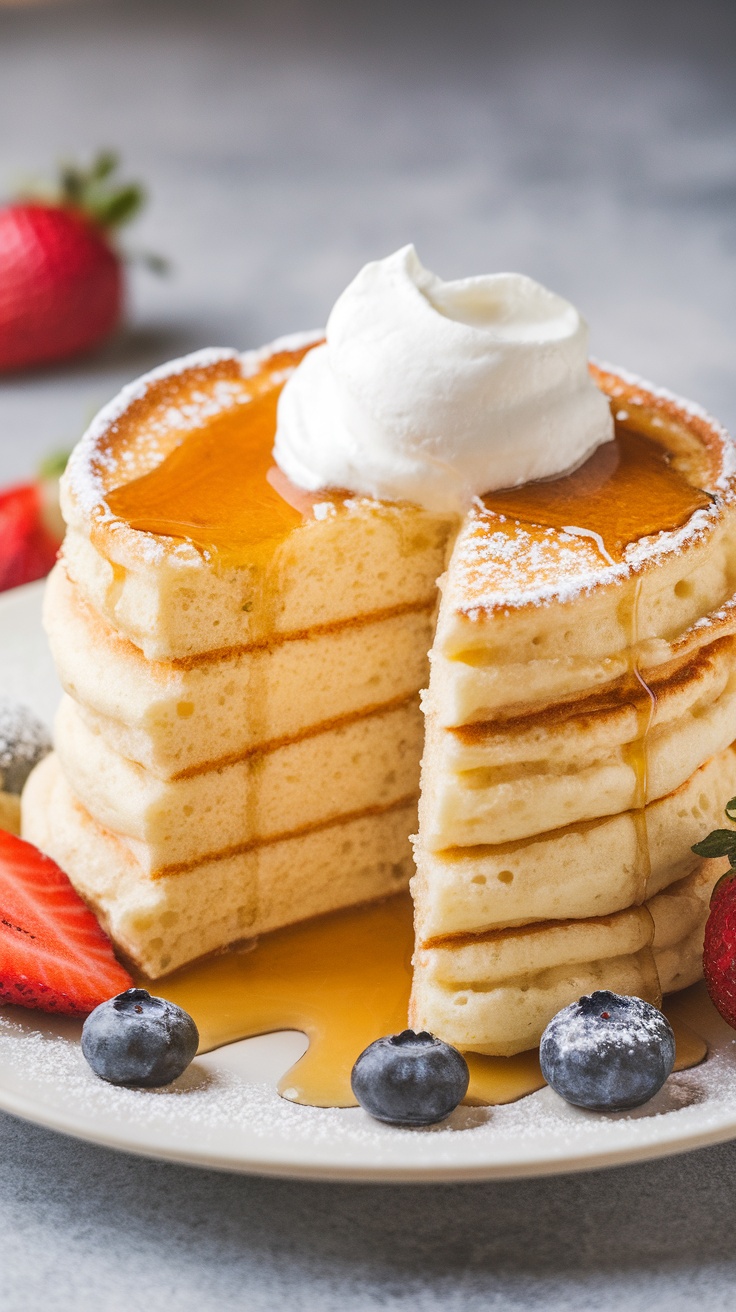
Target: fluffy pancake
{"points": [[585, 870], [241, 742], [242, 663], [254, 563], [370, 762], [474, 791], [173, 717], [495, 993], [160, 924], [519, 591]]}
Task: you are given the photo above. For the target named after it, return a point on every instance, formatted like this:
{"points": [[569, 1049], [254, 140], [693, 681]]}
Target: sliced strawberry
{"points": [[53, 954], [27, 547]]}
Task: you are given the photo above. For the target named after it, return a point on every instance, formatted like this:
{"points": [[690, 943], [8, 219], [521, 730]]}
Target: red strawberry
{"points": [[61, 281], [719, 949], [27, 548], [719, 946], [53, 954], [31, 527]]}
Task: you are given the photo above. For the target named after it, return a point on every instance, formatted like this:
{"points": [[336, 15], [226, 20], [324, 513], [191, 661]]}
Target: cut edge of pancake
{"points": [[483, 997], [160, 924]]}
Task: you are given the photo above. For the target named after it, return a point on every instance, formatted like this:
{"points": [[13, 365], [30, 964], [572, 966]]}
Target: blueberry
{"points": [[24, 741], [410, 1079], [607, 1052], [137, 1039]]}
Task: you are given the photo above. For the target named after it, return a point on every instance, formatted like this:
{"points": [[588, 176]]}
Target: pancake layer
{"points": [[160, 924], [585, 870], [173, 717], [496, 993]]}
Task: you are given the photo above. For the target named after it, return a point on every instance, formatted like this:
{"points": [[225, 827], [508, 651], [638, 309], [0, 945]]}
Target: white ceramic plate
{"points": [[225, 1112]]}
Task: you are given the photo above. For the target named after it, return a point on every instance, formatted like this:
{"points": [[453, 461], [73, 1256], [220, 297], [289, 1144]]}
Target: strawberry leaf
{"points": [[72, 184], [94, 190], [106, 163], [721, 842], [118, 206], [730, 809]]}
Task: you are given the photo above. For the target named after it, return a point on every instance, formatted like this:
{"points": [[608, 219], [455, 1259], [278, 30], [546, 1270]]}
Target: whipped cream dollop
{"points": [[436, 392]]}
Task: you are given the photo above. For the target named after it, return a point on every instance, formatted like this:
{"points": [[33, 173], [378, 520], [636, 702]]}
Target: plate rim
{"points": [[668, 1144]]}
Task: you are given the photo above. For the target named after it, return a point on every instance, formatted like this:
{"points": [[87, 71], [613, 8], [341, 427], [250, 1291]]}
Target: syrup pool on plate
{"points": [[343, 980]]}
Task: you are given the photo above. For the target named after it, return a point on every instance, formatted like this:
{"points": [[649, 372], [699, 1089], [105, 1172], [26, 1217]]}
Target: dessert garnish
{"points": [[139, 1040], [61, 273], [720, 842], [607, 1052], [24, 741], [437, 392], [53, 954], [31, 526], [410, 1079], [719, 944]]}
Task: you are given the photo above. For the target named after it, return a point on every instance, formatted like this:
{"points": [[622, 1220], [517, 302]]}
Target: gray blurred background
{"points": [[285, 142], [592, 145]]}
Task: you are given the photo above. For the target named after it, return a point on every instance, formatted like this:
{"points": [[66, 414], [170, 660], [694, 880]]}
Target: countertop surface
{"points": [[284, 143]]}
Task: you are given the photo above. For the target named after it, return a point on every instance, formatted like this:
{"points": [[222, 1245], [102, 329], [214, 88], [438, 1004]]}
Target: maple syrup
{"points": [[628, 489], [344, 979], [219, 489]]}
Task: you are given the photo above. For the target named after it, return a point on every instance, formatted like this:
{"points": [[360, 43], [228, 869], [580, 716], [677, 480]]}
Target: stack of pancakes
{"points": [[239, 743], [240, 740], [580, 720]]}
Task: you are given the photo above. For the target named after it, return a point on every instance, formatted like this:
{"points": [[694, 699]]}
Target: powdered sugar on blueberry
{"points": [[24, 741]]}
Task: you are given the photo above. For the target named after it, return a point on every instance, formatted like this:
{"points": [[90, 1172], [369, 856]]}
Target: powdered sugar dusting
{"points": [[690, 408], [253, 361], [499, 564], [213, 1114], [89, 460], [724, 615], [24, 740], [631, 1024], [510, 567]]}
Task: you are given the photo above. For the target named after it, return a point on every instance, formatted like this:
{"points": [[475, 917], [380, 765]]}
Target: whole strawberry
{"points": [[61, 276], [719, 945]]}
